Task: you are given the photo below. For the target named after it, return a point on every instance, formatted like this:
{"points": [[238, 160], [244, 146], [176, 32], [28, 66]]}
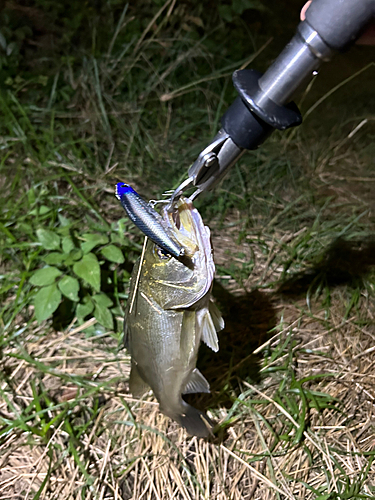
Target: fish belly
{"points": [[164, 346], [154, 340]]}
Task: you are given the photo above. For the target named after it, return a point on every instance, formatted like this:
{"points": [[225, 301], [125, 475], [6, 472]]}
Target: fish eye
{"points": [[162, 254]]}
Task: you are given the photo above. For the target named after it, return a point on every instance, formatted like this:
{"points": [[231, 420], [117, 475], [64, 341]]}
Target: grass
{"points": [[292, 384]]}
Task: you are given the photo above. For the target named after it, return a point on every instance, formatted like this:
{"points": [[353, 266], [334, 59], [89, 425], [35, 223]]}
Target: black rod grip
{"points": [[245, 128]]}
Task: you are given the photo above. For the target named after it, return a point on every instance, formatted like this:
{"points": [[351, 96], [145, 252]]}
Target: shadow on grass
{"points": [[248, 321], [343, 263]]}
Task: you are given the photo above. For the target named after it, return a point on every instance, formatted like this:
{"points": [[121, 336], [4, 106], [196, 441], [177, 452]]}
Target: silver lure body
{"points": [[147, 220]]}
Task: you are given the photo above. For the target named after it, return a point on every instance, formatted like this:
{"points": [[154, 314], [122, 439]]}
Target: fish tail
{"points": [[195, 422]]}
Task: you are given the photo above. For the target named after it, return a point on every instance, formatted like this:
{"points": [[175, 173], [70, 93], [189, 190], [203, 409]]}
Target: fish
{"points": [[147, 219], [169, 312]]}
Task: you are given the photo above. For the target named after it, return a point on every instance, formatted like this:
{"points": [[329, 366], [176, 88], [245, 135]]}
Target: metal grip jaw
{"points": [[213, 161], [210, 165]]}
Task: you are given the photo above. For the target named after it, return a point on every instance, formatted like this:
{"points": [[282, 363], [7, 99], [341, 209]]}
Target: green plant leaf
{"points": [[117, 311], [44, 210], [116, 238], [102, 300], [85, 307], [54, 258], [89, 270], [92, 240], [49, 239], [69, 287], [31, 196], [45, 276], [63, 220], [40, 211], [76, 253], [239, 6], [26, 228], [104, 316], [113, 254], [95, 330], [73, 256], [46, 301], [67, 244], [225, 12]]}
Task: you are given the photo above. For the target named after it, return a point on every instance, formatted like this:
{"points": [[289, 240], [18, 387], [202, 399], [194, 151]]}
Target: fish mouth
{"points": [[187, 227], [187, 261], [183, 225], [176, 218], [186, 258]]}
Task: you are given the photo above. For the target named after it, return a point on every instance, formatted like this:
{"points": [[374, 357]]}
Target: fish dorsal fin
{"points": [[196, 383], [207, 327], [137, 385], [216, 317]]}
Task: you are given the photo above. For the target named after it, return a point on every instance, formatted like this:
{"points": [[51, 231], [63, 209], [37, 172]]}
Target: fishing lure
{"points": [[147, 219]]}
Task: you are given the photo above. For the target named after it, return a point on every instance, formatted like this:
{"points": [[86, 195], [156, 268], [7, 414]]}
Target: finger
{"points": [[304, 9]]}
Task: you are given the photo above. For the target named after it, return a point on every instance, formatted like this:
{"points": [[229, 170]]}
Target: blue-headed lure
{"points": [[147, 219]]}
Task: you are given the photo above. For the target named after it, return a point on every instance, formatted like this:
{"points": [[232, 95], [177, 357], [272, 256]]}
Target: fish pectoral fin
{"points": [[196, 383], [216, 316], [137, 385], [209, 335]]}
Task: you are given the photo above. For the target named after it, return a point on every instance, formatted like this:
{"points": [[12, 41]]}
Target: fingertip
{"points": [[304, 9]]}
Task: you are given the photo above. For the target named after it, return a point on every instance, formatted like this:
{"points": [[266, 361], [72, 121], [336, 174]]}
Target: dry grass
{"points": [[150, 457]]}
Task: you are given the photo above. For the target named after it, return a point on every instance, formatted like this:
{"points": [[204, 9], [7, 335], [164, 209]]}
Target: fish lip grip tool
{"points": [[263, 104]]}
